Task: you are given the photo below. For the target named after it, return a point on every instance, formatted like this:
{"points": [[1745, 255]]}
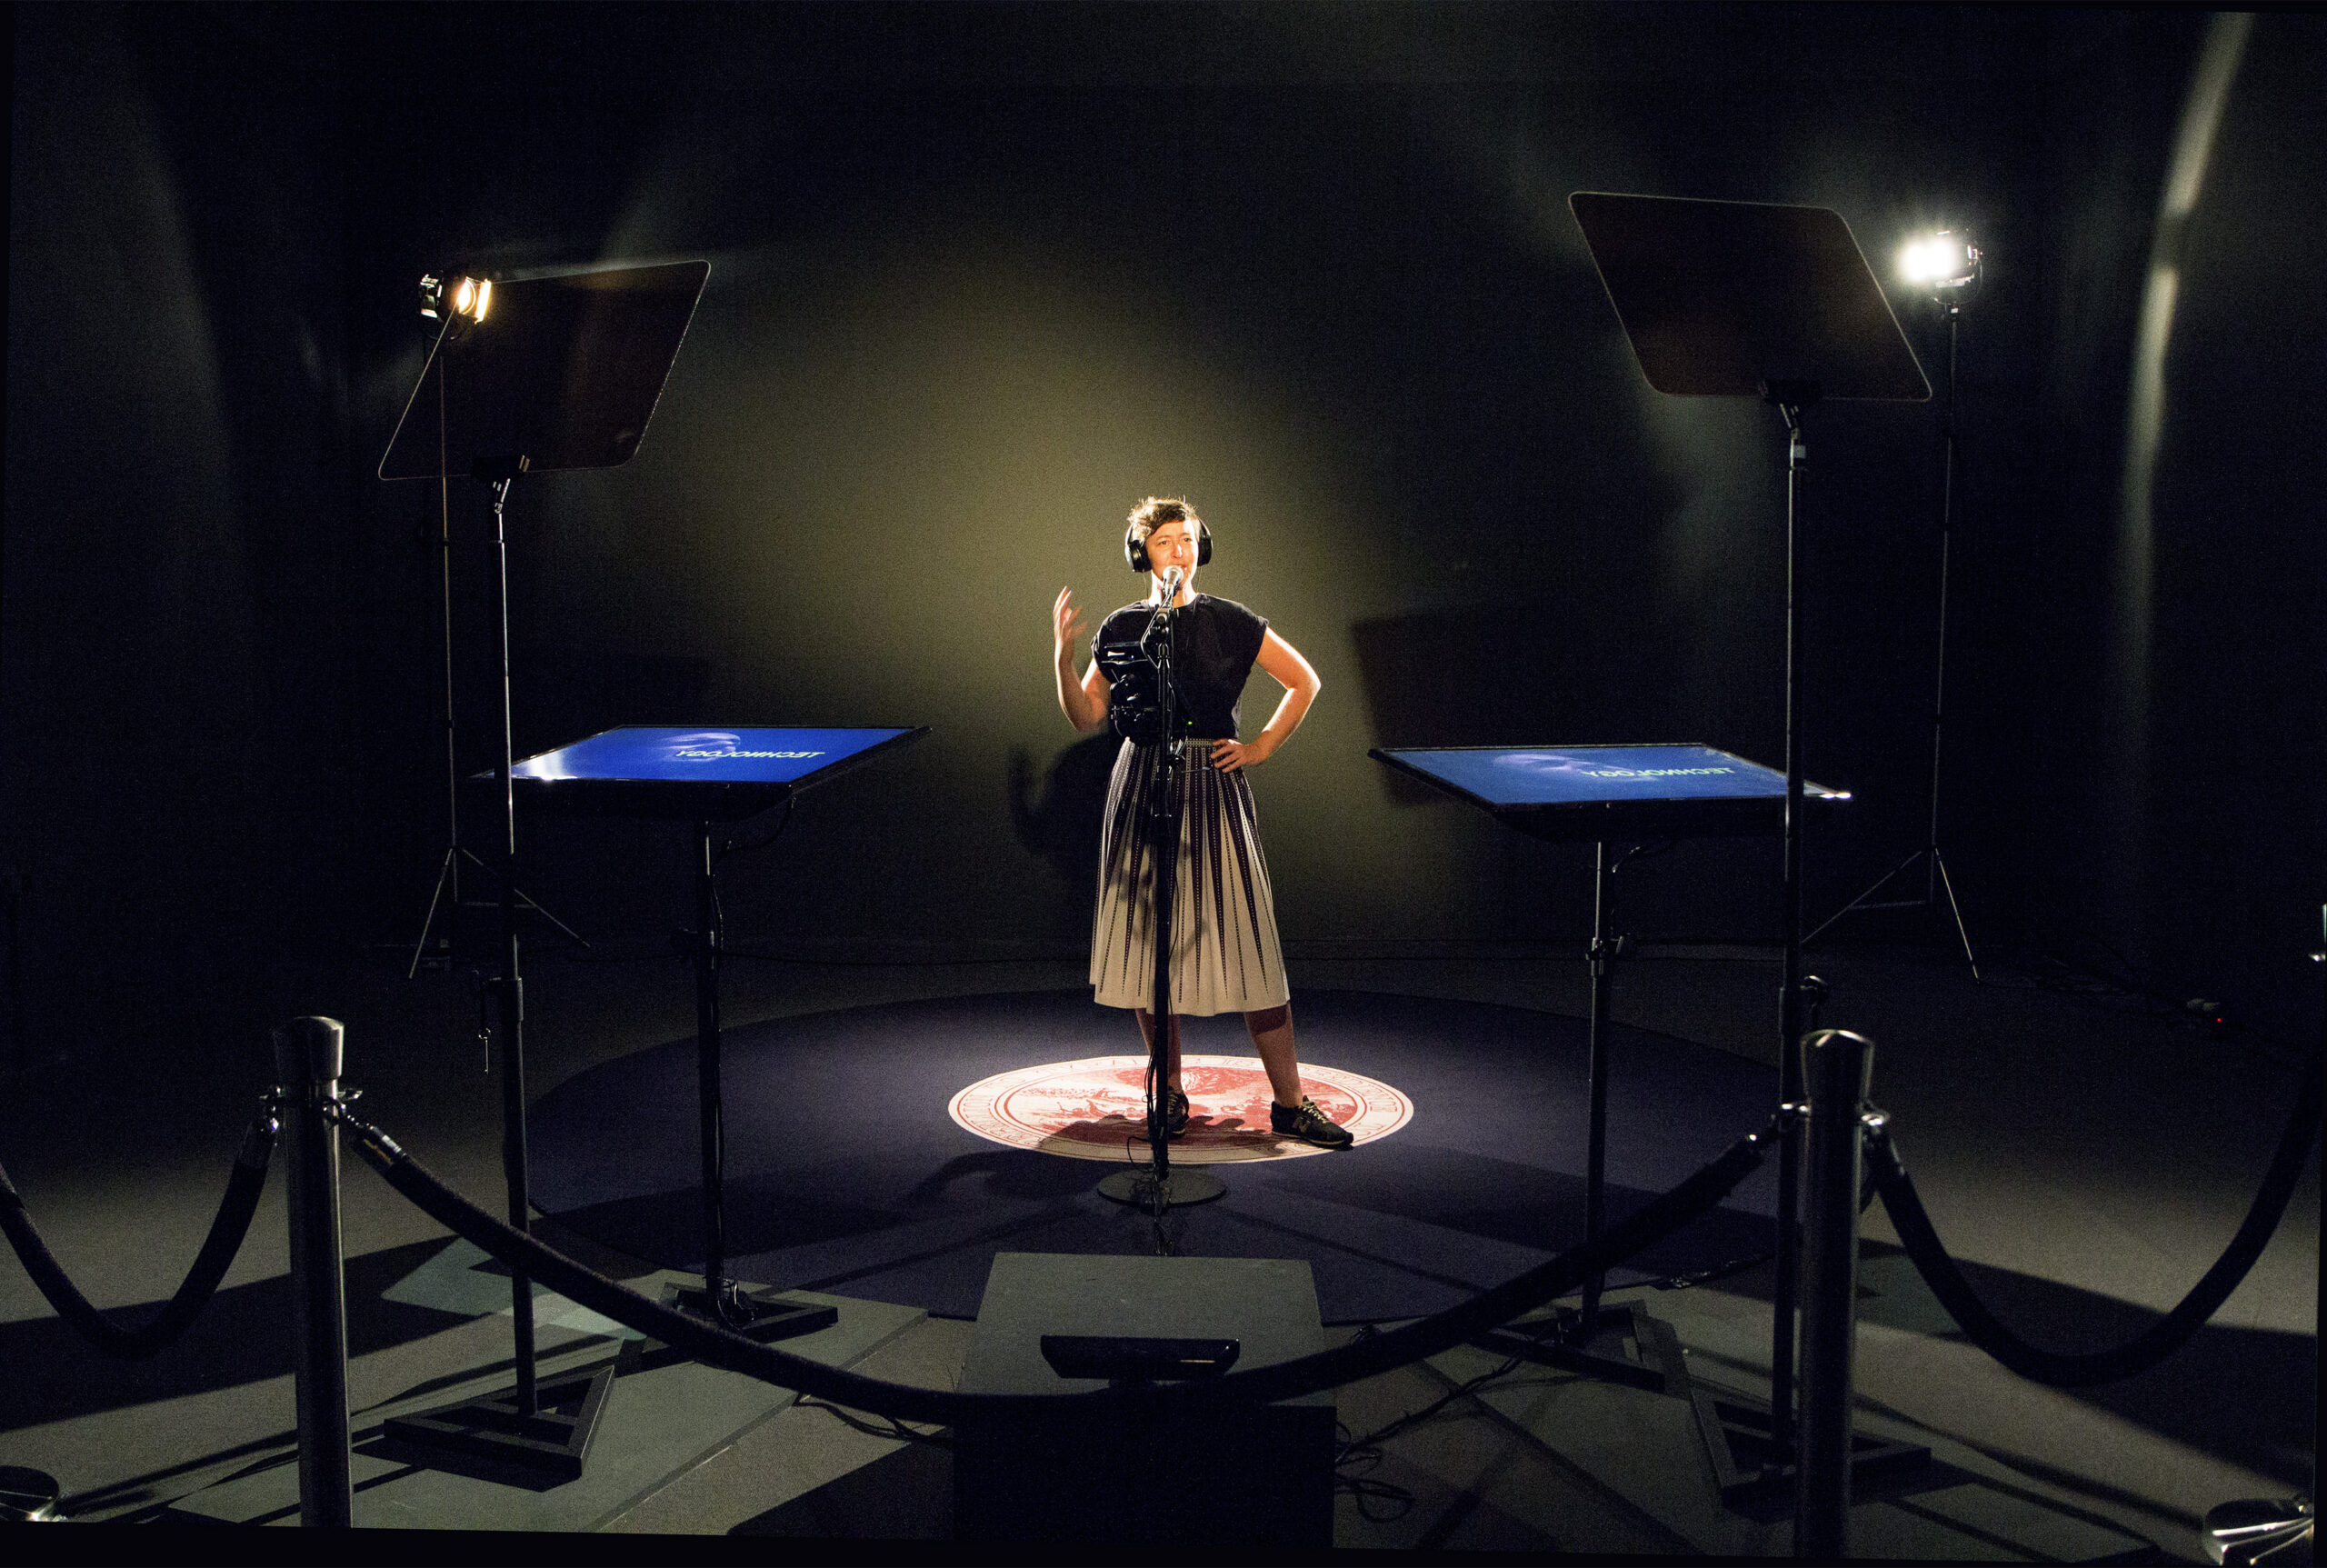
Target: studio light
{"points": [[464, 296], [1946, 263]]}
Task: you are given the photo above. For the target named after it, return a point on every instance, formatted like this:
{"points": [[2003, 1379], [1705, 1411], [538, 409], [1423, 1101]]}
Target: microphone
{"points": [[1171, 581]]}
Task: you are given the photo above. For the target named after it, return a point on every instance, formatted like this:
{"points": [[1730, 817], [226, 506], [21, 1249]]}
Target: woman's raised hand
{"points": [[1066, 624]]}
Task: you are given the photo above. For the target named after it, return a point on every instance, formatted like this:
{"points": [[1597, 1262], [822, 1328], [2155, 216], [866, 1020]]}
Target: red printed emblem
{"points": [[1095, 1109]]}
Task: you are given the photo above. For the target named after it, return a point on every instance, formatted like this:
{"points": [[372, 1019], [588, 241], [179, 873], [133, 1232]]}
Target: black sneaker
{"points": [[1309, 1125], [1176, 1112]]}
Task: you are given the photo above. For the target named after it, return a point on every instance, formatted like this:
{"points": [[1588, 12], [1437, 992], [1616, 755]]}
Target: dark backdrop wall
{"points": [[981, 277]]}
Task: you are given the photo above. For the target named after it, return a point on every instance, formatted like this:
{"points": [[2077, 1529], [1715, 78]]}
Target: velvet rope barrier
{"points": [[715, 1346], [161, 1330], [2152, 1344]]}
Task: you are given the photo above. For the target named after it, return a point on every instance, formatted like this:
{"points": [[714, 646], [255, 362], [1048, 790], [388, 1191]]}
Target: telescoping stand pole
{"points": [[759, 1314], [520, 1426], [307, 1052], [1790, 400]]}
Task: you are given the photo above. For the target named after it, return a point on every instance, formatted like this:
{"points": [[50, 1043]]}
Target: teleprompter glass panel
{"points": [[1587, 775], [651, 753]]}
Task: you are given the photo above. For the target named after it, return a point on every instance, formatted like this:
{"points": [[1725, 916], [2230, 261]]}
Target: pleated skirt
{"points": [[1225, 957]]}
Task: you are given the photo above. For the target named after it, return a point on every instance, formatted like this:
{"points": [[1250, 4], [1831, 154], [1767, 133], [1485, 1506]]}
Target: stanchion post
{"points": [[1836, 1067], [307, 1053]]}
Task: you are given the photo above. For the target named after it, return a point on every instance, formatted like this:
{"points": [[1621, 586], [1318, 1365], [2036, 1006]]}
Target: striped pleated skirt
{"points": [[1224, 952]]}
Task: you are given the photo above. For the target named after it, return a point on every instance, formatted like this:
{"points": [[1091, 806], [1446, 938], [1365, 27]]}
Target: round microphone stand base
{"points": [[30, 1496], [1182, 1185]]}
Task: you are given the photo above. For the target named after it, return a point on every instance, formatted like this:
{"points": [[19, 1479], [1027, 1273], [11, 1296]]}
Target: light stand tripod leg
{"points": [[1872, 888], [445, 872], [1962, 934], [525, 901]]}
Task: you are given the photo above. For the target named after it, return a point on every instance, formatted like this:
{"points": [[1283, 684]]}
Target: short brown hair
{"points": [[1157, 510]]}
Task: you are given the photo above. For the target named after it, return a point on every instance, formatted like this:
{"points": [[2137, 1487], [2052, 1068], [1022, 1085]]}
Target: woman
{"points": [[1224, 951]]}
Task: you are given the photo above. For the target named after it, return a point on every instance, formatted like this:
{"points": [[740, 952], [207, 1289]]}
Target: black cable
{"points": [[731, 847], [1411, 1419], [1647, 850], [2152, 1344], [887, 1427], [716, 1346], [1395, 1501], [161, 1329]]}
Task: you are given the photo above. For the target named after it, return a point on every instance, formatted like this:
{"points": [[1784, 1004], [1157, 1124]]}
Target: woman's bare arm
{"points": [[1283, 661]]}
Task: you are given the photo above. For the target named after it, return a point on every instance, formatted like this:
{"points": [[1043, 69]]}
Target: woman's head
{"points": [[1176, 533]]}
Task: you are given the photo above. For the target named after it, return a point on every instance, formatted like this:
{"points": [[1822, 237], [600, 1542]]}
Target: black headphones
{"points": [[1135, 544]]}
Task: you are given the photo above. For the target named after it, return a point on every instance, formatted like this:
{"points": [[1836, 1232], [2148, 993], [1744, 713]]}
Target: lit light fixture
{"points": [[1947, 263], [464, 296]]}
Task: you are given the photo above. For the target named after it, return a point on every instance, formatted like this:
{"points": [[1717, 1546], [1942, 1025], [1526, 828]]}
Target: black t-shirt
{"points": [[1213, 645]]}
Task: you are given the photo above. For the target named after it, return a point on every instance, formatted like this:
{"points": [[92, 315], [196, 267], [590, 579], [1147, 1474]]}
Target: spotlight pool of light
{"points": [[1941, 261]]}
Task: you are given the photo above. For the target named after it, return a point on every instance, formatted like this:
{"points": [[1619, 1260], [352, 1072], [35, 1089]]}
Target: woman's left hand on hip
{"points": [[1229, 756]]}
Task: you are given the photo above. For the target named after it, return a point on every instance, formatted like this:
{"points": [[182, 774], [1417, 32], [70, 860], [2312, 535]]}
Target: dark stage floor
{"points": [[2087, 1164], [846, 1175]]}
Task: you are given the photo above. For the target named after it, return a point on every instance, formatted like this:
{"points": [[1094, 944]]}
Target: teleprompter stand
{"points": [[707, 776], [1159, 1187], [1618, 799], [565, 373], [1743, 299]]}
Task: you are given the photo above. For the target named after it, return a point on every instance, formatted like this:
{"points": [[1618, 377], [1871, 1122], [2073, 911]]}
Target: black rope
{"points": [[2153, 1344], [716, 1346], [218, 1249]]}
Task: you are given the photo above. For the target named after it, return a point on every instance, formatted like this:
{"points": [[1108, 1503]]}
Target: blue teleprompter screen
{"points": [[1585, 775], [645, 752]]}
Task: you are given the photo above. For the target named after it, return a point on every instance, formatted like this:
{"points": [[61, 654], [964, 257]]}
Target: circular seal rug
{"points": [[1096, 1108]]}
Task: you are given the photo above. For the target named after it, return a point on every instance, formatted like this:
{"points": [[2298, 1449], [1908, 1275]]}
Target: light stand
{"points": [[1951, 293], [567, 376], [447, 894]]}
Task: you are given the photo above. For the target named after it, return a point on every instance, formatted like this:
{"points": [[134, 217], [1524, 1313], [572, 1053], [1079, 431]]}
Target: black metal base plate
{"points": [[773, 1318], [552, 1441], [1627, 1346], [1746, 1462], [1182, 1185], [763, 1315]]}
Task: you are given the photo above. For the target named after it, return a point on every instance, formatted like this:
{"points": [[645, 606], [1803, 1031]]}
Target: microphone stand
{"points": [[1158, 1187]]}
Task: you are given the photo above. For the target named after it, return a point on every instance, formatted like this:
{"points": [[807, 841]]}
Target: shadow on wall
{"points": [[1059, 819], [563, 694], [1501, 674]]}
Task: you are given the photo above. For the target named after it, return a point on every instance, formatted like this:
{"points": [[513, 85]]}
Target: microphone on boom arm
{"points": [[1171, 581]]}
